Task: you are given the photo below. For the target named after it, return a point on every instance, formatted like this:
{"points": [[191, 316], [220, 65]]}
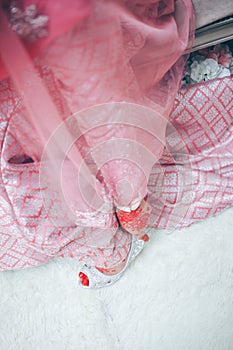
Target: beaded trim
{"points": [[26, 21]]}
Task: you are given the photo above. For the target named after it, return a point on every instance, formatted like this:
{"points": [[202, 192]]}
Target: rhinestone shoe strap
{"points": [[99, 280]]}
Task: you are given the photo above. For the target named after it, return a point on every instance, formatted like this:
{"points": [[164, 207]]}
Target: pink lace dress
{"points": [[113, 76]]}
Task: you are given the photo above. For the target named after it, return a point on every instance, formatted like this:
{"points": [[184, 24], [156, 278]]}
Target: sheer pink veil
{"points": [[118, 65], [54, 138]]}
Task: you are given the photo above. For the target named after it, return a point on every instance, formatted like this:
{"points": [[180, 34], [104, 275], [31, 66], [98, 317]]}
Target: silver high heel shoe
{"points": [[92, 278]]}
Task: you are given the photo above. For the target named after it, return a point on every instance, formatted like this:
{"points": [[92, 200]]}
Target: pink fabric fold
{"points": [[133, 58], [63, 16], [108, 75]]}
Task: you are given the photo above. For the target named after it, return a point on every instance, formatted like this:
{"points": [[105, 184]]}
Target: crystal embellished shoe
{"points": [[90, 277]]}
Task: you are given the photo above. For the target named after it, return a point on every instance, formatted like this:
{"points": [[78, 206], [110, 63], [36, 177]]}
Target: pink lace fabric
{"points": [[121, 54]]}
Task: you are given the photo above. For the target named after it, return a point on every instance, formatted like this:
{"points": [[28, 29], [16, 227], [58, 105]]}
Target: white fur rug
{"points": [[177, 295]]}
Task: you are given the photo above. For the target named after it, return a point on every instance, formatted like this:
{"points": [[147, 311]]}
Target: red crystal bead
{"points": [[145, 238], [85, 282], [84, 279]]}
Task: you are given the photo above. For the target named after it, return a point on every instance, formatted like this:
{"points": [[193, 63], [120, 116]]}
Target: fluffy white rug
{"points": [[177, 295]]}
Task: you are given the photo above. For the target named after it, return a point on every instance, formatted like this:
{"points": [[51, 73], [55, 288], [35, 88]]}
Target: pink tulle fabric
{"points": [[62, 15], [102, 90]]}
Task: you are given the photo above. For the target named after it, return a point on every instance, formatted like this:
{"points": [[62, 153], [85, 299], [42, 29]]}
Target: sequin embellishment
{"points": [[27, 22]]}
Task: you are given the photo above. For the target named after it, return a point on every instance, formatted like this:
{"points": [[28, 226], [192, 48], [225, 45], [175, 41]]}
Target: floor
{"points": [[177, 295]]}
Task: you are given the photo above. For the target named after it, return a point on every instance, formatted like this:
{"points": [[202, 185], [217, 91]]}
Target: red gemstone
{"points": [[145, 238], [85, 282], [84, 279]]}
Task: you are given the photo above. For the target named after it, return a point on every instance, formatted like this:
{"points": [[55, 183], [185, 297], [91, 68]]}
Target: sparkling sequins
{"points": [[91, 277], [136, 220], [27, 22]]}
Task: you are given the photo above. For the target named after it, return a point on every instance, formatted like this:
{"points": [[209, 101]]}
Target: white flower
{"points": [[207, 70]]}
